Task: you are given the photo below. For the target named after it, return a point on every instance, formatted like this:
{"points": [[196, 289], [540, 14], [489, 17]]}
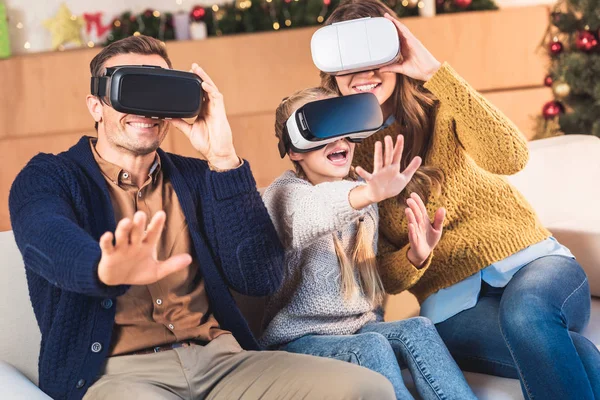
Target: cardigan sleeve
{"points": [[487, 135], [250, 253], [45, 226]]}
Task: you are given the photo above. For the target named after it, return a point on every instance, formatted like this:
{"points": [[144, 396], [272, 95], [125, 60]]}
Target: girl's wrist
{"points": [[359, 197]]}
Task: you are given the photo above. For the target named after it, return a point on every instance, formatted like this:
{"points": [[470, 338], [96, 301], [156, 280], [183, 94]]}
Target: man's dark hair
{"points": [[141, 44]]}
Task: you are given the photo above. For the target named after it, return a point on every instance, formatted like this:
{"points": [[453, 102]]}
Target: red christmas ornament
{"points": [[198, 12], [95, 19], [548, 81], [556, 48], [586, 41], [327, 2], [462, 3], [552, 109]]}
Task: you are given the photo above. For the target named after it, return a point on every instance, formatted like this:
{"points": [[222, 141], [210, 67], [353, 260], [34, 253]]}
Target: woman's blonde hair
{"points": [[363, 255], [414, 107]]}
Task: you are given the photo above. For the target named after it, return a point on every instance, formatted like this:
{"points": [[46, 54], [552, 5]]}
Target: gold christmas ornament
{"points": [[561, 89], [65, 28]]}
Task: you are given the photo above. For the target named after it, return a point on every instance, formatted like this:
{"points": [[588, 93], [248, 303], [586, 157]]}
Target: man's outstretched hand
{"points": [[132, 259]]}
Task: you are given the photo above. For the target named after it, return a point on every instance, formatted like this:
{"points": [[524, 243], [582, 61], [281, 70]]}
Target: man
{"points": [[146, 312]]}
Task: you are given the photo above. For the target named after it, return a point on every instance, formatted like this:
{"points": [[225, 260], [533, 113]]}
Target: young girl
{"points": [[327, 306], [506, 298]]}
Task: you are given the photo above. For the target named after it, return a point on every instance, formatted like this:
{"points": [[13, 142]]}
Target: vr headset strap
{"points": [[284, 143], [98, 86]]}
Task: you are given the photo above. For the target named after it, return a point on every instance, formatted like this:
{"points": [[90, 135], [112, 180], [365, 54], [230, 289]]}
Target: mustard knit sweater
{"points": [[487, 219]]}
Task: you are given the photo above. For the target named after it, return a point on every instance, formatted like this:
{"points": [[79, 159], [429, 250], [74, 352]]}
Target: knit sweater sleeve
{"points": [[304, 213], [52, 243], [396, 271], [487, 135]]}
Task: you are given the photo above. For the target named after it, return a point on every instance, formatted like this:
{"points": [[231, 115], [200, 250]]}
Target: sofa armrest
{"points": [[560, 183], [14, 385]]}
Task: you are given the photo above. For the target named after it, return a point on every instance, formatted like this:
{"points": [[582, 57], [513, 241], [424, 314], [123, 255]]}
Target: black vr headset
{"points": [[318, 123], [150, 91]]}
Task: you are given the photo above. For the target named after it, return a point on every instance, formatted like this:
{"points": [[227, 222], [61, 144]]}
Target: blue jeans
{"points": [[529, 330], [385, 347]]}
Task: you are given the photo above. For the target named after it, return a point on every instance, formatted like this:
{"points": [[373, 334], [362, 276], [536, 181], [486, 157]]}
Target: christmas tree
{"points": [[572, 44], [4, 42]]}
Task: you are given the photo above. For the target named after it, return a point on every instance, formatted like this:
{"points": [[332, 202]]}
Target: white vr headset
{"points": [[356, 45], [320, 122]]}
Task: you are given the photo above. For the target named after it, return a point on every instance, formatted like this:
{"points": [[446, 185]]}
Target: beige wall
{"points": [[42, 107]]}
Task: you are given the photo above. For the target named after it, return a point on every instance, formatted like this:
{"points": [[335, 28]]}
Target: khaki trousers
{"points": [[222, 370]]}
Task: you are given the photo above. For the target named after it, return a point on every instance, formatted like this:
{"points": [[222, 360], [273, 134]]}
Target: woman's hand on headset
{"points": [[210, 133], [418, 62], [386, 180]]}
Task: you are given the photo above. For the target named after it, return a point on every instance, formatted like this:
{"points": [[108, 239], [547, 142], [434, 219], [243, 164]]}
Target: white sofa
{"points": [[558, 181]]}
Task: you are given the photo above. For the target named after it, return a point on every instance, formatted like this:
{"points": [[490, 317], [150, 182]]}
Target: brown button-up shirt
{"points": [[175, 308]]}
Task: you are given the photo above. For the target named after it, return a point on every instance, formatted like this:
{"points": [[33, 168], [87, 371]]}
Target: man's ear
{"points": [[296, 156], [95, 108]]}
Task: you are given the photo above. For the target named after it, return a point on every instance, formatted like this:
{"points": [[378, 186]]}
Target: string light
{"points": [[19, 25], [156, 14], [27, 45], [288, 22], [420, 4], [276, 25], [117, 23], [215, 8], [136, 33], [90, 44], [320, 19], [405, 3], [73, 17]]}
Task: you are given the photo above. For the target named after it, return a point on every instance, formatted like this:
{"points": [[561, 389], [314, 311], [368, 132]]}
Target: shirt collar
{"points": [[116, 173]]}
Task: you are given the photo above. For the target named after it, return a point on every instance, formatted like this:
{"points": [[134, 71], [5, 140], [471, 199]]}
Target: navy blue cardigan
{"points": [[59, 208]]}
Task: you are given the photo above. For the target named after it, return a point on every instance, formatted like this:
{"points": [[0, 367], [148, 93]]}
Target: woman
{"points": [[506, 297]]}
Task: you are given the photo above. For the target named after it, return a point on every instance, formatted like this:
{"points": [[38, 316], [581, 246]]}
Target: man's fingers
{"points": [[182, 126], [106, 243], [202, 74], [155, 228], [173, 264], [363, 174], [122, 232], [139, 226]]}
